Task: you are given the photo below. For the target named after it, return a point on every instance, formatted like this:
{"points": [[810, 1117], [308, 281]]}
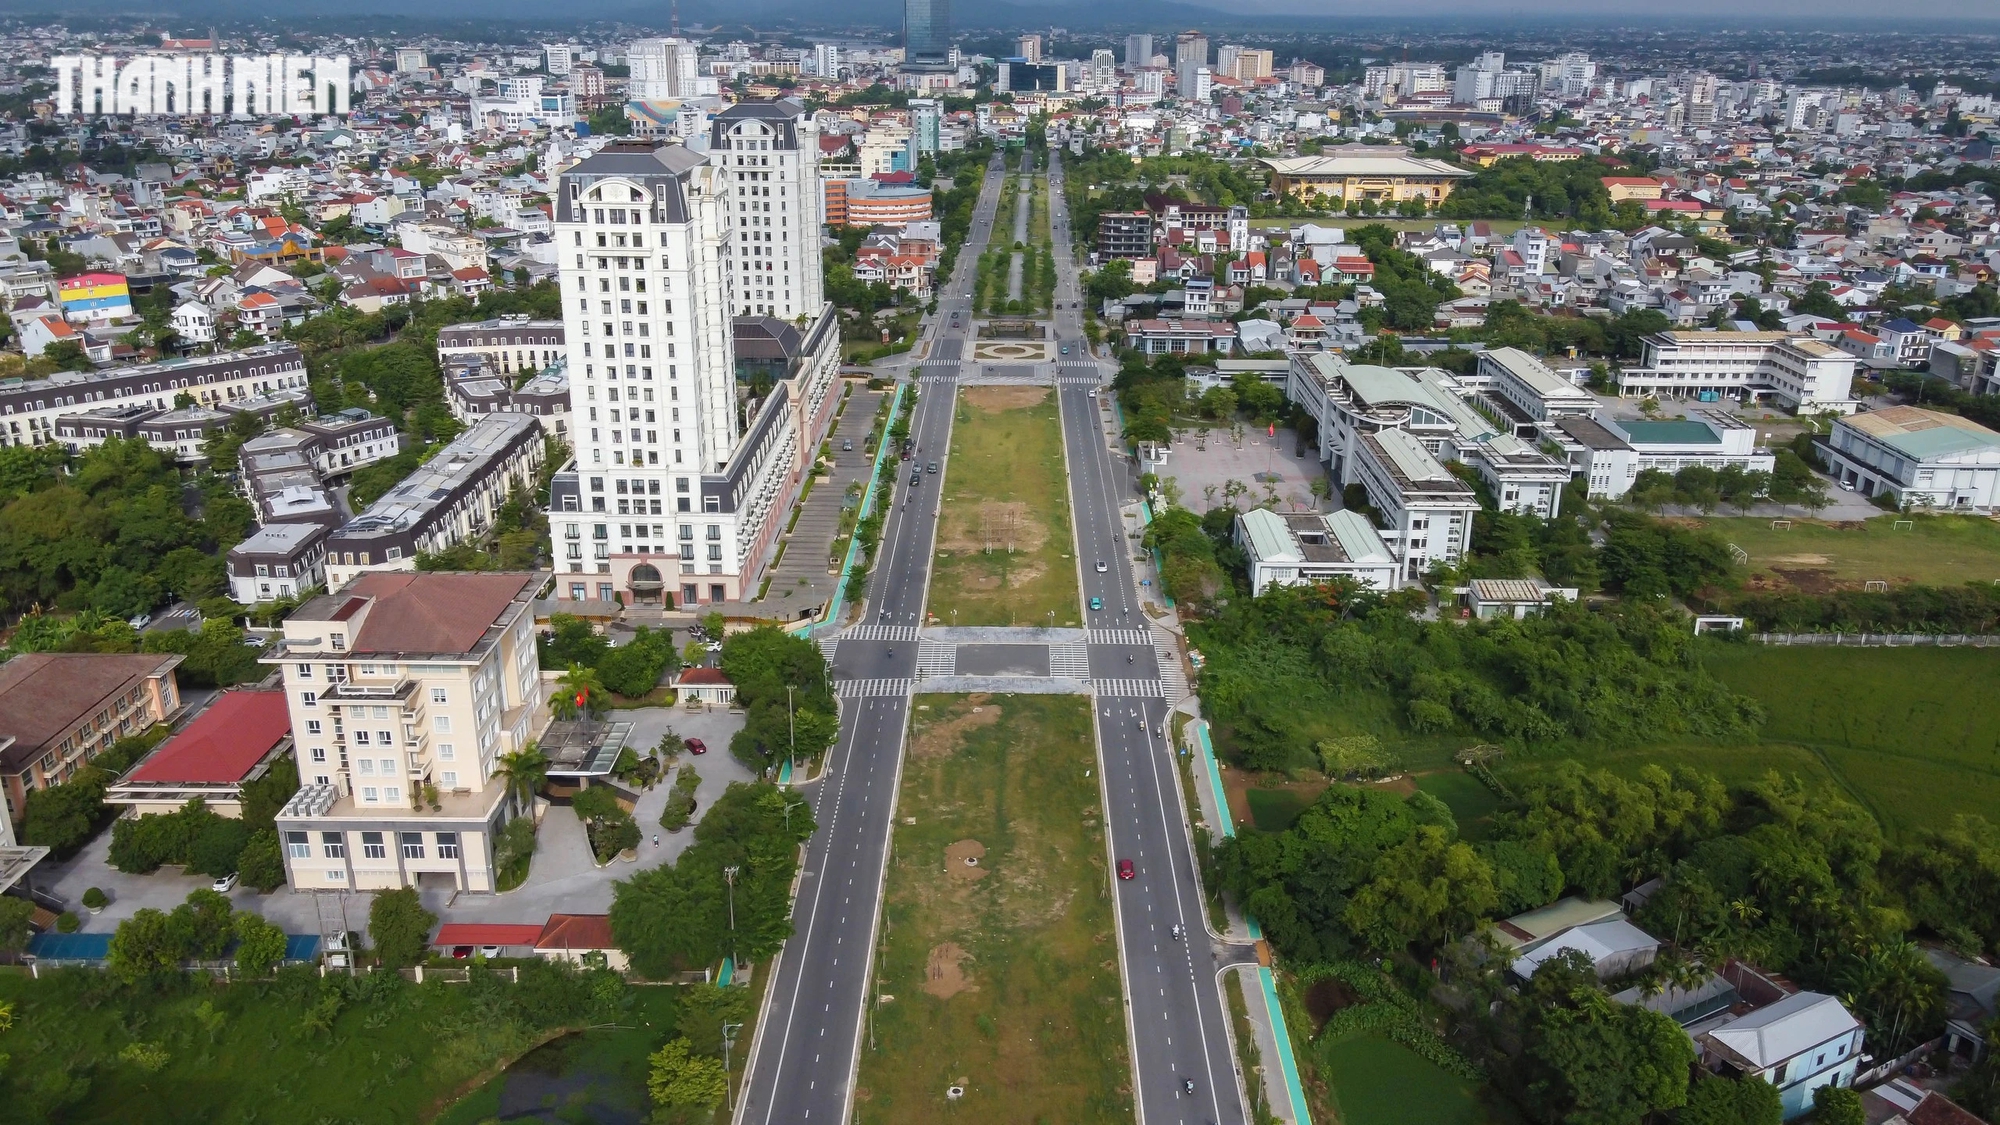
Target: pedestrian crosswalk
{"points": [[1127, 689], [1069, 662], [828, 646], [1173, 680], [934, 659], [1121, 637], [880, 633], [862, 689]]}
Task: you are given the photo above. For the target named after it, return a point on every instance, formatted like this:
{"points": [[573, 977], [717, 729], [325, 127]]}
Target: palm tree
{"points": [[579, 690], [525, 770]]}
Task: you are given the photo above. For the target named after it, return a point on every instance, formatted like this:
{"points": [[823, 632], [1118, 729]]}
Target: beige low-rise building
{"points": [[405, 691], [58, 710]]}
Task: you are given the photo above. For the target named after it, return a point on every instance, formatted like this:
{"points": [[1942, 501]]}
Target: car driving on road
{"points": [[1097, 603], [1125, 870]]}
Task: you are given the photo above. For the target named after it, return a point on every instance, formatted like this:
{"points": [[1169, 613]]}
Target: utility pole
{"points": [[729, 877], [792, 725], [729, 1031]]}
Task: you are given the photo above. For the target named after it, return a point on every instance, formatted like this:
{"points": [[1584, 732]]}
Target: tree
{"points": [[1723, 1101], [1427, 889], [259, 944], [147, 944], [679, 1080], [1592, 1061], [525, 770], [14, 916], [1838, 1105], [579, 691], [204, 922], [399, 927], [262, 862]]}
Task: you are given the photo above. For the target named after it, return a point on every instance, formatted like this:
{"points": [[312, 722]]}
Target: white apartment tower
{"points": [[642, 234], [663, 70], [651, 270], [769, 156]]}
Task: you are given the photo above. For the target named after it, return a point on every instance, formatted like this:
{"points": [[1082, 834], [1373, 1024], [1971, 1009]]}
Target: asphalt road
{"points": [[1178, 1029], [809, 1040]]}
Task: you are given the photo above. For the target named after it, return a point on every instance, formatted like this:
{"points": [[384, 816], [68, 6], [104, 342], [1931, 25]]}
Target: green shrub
{"points": [[96, 899], [68, 923]]}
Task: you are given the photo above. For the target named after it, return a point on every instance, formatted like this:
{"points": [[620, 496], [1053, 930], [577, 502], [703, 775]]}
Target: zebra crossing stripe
{"points": [[1127, 689]]}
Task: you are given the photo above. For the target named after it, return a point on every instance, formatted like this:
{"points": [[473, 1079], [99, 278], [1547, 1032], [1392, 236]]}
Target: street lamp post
{"points": [[729, 1031], [729, 877], [792, 726]]}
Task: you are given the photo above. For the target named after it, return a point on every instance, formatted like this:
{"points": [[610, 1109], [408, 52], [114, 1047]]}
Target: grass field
{"points": [[1911, 733], [1377, 1082], [1005, 483], [1274, 810], [1815, 556], [1004, 973], [1471, 803], [239, 1053]]}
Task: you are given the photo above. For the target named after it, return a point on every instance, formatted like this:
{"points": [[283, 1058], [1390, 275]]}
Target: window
{"points": [[369, 794], [309, 698], [450, 779], [319, 754], [388, 767], [335, 875], [437, 695], [332, 845], [305, 671], [297, 845], [361, 739], [392, 794], [413, 845], [441, 724], [372, 846], [312, 726], [447, 845], [446, 751]]}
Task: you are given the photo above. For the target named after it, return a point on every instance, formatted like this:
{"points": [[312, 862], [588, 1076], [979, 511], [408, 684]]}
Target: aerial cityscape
{"points": [[1009, 564]]}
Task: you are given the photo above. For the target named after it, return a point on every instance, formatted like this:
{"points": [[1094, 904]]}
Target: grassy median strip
{"points": [[1004, 548], [997, 943]]}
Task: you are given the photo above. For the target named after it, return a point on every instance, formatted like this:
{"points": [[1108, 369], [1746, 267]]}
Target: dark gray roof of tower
{"points": [[662, 168], [782, 115]]}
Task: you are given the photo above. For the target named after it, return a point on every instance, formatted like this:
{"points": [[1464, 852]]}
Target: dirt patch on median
{"points": [[965, 861], [940, 738], [944, 971], [1004, 398]]}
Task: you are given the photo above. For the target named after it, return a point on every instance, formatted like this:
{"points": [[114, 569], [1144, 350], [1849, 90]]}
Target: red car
{"points": [[697, 746], [1125, 869]]}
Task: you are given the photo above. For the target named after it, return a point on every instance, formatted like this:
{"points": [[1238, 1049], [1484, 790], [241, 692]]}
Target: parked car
{"points": [[140, 621], [225, 884], [1125, 870], [697, 746], [847, 446]]}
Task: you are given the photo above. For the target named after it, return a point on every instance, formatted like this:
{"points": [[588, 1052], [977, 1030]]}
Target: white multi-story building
{"points": [[559, 57], [826, 60], [769, 156], [405, 690], [1799, 372], [649, 262], [663, 70], [1923, 458]]}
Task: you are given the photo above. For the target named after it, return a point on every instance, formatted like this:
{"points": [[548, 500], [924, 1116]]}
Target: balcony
{"points": [[350, 692]]}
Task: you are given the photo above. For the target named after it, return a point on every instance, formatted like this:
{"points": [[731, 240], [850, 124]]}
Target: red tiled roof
{"points": [[702, 675], [486, 933], [441, 612], [576, 931], [223, 743]]}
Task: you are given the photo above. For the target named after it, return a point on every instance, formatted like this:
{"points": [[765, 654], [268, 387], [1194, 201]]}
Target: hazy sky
{"points": [[1789, 11]]}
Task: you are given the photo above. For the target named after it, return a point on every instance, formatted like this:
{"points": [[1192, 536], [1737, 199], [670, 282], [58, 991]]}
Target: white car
{"points": [[225, 884], [1102, 566]]}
